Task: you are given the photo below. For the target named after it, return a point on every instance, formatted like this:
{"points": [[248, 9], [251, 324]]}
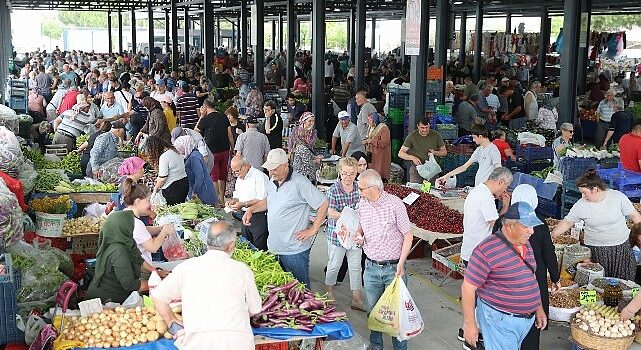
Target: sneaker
{"points": [[462, 338], [479, 346]]}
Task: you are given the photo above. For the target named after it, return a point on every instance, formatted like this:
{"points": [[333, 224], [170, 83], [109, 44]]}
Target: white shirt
{"points": [[218, 296], [488, 158], [253, 186], [123, 98], [329, 70], [171, 165], [479, 214], [142, 235], [158, 96]]}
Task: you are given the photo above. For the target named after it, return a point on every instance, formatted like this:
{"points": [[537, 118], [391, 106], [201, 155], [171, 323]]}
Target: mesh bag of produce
{"points": [[109, 170], [11, 229], [9, 119], [10, 159]]}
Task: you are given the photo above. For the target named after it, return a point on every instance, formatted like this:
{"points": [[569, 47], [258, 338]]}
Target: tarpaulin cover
{"points": [[333, 330]]}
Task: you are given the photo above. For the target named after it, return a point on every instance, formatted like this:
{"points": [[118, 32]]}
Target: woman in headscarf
{"points": [[543, 249], [201, 145], [301, 147], [379, 145], [131, 168], [200, 182], [156, 124], [172, 177], [254, 100], [118, 260]]}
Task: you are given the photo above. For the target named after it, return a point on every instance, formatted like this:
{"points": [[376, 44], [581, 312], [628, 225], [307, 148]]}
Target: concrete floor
{"points": [[439, 306]]}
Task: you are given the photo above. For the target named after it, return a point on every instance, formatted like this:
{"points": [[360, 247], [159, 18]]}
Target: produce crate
{"points": [[396, 146], [396, 116], [443, 109], [283, 345], [526, 167], [549, 208], [419, 251], [574, 167], [58, 150], [618, 178], [453, 161], [529, 152], [399, 98], [442, 260], [468, 177], [9, 286], [447, 131], [544, 190], [18, 104], [462, 149], [87, 244], [609, 163]]}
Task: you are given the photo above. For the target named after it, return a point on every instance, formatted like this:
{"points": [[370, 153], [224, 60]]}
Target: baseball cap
{"points": [[342, 115], [276, 158], [251, 120], [160, 82], [117, 125], [524, 213]]}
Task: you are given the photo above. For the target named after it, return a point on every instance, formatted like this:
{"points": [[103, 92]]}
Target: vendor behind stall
{"points": [[604, 212], [218, 296], [417, 147], [118, 261], [630, 148]]}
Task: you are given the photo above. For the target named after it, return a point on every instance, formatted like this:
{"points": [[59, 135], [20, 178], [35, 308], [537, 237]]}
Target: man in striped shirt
{"points": [[500, 280], [187, 107]]}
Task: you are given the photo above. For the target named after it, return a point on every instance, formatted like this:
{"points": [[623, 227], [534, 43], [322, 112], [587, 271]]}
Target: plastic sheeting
{"points": [[333, 331]]}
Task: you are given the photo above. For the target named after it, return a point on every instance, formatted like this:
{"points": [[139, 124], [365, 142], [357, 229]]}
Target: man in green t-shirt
{"points": [[417, 148]]}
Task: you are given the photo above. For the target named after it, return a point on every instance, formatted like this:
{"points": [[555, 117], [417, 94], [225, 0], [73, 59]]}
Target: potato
{"points": [[161, 327], [168, 335], [152, 336], [151, 326]]}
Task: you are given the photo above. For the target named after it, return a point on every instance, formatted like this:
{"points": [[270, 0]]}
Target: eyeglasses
{"points": [[348, 174], [236, 172], [363, 189], [570, 131]]}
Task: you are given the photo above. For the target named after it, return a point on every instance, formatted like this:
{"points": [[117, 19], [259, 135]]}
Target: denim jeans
{"points": [[298, 265], [377, 278], [518, 123], [501, 331]]}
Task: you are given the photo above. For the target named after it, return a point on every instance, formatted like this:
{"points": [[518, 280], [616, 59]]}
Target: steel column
{"points": [[175, 59], [546, 27], [442, 33], [109, 35], [463, 35], [5, 48], [291, 48], [133, 31], [478, 41], [243, 33], [508, 22], [120, 46], [167, 26], [359, 56], [239, 34], [150, 31], [201, 18], [318, 65], [280, 32], [352, 35], [273, 36], [186, 35], [259, 50], [418, 70], [208, 37], [568, 84], [232, 43], [584, 47], [219, 41], [373, 45]]}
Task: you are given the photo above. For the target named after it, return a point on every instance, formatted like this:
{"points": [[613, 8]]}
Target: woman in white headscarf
{"points": [[543, 248], [200, 182]]}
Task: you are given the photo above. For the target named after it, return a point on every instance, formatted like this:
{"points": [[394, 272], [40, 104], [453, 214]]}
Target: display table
{"points": [[91, 197]]}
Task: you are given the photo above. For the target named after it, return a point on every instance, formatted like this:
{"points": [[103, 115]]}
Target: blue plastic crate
{"points": [[549, 208], [618, 178], [530, 152], [9, 284], [544, 190], [574, 167], [609, 163], [453, 161], [447, 131], [468, 177]]}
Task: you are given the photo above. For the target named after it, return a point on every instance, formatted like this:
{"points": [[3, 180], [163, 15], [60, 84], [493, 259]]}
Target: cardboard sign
{"points": [[90, 307], [587, 297]]}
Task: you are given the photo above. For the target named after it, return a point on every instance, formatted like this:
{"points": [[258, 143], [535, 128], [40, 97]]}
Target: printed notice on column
{"points": [[413, 27]]}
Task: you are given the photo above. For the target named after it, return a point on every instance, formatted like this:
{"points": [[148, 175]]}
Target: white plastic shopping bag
{"points": [[346, 227], [410, 320], [429, 169]]}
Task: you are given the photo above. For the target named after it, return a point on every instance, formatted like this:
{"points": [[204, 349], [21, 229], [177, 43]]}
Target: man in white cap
{"points": [[348, 133], [290, 198]]}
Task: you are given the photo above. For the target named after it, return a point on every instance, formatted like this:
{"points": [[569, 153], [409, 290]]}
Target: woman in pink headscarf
{"points": [[133, 168], [301, 147]]}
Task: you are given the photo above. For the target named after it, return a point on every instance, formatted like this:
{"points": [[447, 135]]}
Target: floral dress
{"points": [[302, 146]]}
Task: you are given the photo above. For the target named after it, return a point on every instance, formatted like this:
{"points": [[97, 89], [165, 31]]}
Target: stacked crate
{"points": [[399, 99], [569, 196], [626, 181], [17, 95], [533, 158]]}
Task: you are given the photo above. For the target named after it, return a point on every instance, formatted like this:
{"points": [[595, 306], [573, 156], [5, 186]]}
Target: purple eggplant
{"points": [[285, 287], [269, 302]]}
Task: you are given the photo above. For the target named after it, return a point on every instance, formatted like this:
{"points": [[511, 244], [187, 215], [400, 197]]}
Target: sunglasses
{"points": [[570, 131]]}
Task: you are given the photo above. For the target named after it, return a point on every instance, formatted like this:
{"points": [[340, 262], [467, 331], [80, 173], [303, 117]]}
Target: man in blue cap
{"points": [[501, 284], [161, 91]]}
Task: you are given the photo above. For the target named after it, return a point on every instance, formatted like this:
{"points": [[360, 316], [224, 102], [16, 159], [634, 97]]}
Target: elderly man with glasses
{"points": [[562, 142], [251, 187], [385, 236]]}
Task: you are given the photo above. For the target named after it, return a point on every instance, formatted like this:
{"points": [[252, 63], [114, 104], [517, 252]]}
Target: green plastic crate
{"points": [[396, 116], [396, 146]]}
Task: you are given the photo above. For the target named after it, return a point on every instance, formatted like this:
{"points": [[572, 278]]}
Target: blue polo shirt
{"points": [[288, 209], [110, 112]]}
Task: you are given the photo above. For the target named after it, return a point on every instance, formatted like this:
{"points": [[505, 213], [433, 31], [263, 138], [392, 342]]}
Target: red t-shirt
{"points": [[68, 101], [502, 146], [630, 149]]}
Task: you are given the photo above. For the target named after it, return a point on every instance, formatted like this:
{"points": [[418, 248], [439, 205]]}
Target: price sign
{"points": [[587, 297], [635, 291]]}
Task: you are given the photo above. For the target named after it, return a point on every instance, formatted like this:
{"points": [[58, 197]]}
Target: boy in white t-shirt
{"points": [[486, 155]]}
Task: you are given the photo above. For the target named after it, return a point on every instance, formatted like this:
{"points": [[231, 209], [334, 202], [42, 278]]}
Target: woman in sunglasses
{"points": [[562, 142]]}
